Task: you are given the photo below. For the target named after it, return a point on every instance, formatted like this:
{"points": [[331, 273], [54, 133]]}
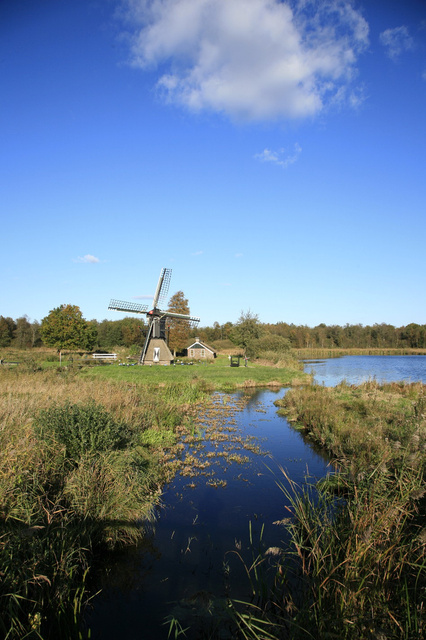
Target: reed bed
{"points": [[76, 478], [355, 567]]}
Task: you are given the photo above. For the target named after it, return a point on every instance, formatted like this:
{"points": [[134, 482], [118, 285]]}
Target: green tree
{"points": [[23, 334], [246, 332], [133, 331], [110, 334], [65, 328], [178, 330], [7, 327], [35, 333]]}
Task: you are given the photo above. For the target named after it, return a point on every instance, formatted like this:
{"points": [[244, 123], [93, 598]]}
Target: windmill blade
{"points": [[181, 316], [162, 287], [132, 307]]}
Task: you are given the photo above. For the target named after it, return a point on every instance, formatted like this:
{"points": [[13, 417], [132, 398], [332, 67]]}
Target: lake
{"points": [[225, 494], [358, 369]]}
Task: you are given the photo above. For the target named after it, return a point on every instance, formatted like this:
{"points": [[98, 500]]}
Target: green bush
{"points": [[272, 342], [82, 428]]}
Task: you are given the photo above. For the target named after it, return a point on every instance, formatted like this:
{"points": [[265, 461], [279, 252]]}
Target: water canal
{"points": [[192, 556], [220, 506]]}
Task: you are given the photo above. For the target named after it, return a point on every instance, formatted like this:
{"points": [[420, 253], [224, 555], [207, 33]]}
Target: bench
{"points": [[104, 356]]}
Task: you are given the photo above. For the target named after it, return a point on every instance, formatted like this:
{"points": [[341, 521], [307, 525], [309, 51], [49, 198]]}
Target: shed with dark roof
{"points": [[200, 351]]}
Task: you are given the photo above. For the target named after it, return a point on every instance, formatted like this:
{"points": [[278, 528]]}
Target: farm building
{"points": [[200, 351]]}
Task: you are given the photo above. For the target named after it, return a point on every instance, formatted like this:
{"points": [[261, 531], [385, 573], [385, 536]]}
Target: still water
{"points": [[204, 525], [192, 553], [358, 369]]}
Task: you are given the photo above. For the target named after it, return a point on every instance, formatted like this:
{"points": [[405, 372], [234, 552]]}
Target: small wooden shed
{"points": [[200, 351]]}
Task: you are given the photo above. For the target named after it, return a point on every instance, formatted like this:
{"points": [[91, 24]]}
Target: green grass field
{"points": [[218, 375]]}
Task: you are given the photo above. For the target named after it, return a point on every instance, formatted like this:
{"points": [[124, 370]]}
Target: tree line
{"points": [[65, 328], [129, 331], [322, 336], [105, 335]]}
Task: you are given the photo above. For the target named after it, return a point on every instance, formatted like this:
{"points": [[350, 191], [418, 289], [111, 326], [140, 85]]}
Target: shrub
{"points": [[82, 428], [272, 342]]}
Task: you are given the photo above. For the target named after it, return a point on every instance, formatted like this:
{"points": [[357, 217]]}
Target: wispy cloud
{"points": [[239, 255], [197, 253], [396, 41], [149, 297], [248, 59], [282, 157], [88, 259]]}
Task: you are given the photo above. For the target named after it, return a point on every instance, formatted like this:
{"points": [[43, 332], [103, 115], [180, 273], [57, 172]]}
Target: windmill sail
{"points": [[162, 287], [132, 307]]}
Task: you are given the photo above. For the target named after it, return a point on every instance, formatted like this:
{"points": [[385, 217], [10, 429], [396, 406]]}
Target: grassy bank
{"points": [[78, 475], [359, 543], [82, 452]]}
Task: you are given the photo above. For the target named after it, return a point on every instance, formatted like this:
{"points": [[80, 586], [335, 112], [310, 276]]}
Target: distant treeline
{"points": [[412, 336], [126, 332], [23, 334]]}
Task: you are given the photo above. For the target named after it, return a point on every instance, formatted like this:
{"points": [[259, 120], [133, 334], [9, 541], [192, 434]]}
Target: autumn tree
{"points": [[178, 330], [65, 328]]}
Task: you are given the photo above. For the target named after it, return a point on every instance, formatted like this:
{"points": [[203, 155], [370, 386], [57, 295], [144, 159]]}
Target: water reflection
{"points": [[359, 369], [202, 533]]}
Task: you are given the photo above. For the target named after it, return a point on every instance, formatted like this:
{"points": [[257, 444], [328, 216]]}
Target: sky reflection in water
{"points": [[201, 528]]}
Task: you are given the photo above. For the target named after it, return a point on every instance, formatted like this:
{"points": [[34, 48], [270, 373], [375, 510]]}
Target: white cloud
{"points": [[88, 259], [149, 297], [197, 253], [281, 157], [248, 59], [396, 41]]}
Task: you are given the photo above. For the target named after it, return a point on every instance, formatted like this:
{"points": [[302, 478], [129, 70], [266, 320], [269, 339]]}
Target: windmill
{"points": [[155, 349]]}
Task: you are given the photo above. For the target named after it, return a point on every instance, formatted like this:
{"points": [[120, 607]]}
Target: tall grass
{"points": [[359, 561], [363, 426], [76, 478], [356, 564], [353, 566]]}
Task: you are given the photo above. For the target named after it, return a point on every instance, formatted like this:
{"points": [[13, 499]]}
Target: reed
{"points": [[358, 561], [76, 479], [363, 426], [355, 566]]}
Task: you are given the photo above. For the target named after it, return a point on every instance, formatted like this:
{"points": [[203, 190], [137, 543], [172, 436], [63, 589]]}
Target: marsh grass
{"points": [[76, 479], [358, 562], [355, 567], [353, 561], [363, 426]]}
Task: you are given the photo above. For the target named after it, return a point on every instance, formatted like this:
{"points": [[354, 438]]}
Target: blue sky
{"points": [[272, 154]]}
